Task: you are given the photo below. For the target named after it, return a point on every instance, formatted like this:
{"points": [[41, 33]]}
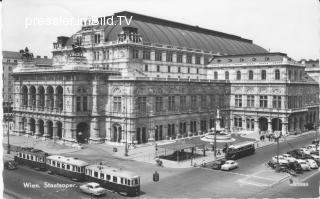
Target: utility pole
{"points": [[126, 145]]}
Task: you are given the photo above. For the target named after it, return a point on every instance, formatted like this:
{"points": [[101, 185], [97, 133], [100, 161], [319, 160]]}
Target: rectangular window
{"points": [[101, 176], [203, 100], [158, 56], [114, 179], [95, 174], [179, 58], [193, 101], [198, 60], [171, 103], [197, 70], [263, 101], [183, 102], [238, 122], [97, 38], [146, 55], [189, 59], [159, 104], [169, 69], [142, 104], [250, 100], [108, 177], [203, 125], [212, 100], [179, 70], [146, 67], [169, 57], [238, 100], [84, 103], [158, 68], [206, 60], [78, 106], [276, 102], [135, 54], [117, 104]]}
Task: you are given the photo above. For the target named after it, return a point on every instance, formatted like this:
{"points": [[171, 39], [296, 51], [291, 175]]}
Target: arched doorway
{"points": [[276, 124], [41, 97], [138, 135], [144, 135], [263, 124], [83, 132], [59, 91], [50, 95], [32, 126], [50, 128], [59, 130], [33, 96], [117, 133], [41, 126], [301, 124], [295, 124], [24, 96]]}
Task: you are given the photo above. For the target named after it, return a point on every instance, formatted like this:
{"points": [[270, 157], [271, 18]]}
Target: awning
{"points": [[182, 144]]}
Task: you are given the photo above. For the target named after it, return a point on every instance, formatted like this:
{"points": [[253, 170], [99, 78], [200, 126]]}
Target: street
{"points": [[251, 179]]}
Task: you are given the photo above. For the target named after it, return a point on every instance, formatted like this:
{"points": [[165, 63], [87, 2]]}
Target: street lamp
{"points": [[7, 119], [126, 143]]}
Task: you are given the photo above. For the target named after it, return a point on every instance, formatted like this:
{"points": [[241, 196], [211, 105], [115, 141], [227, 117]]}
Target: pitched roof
{"points": [[11, 54], [160, 31]]}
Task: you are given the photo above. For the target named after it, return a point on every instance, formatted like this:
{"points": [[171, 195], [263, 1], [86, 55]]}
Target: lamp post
{"points": [[126, 143]]}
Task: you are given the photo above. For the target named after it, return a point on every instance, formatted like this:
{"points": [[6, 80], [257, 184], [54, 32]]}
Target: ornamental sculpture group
{"points": [[26, 55], [77, 50]]}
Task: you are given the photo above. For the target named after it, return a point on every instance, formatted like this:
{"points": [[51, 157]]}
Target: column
{"points": [[284, 128], [151, 135], [37, 101], [37, 133], [244, 123], [29, 99], [269, 125], [55, 101], [45, 129], [28, 131], [256, 125], [55, 130], [46, 100]]}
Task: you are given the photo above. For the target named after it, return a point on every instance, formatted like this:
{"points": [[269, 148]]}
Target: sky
{"points": [[288, 26]]}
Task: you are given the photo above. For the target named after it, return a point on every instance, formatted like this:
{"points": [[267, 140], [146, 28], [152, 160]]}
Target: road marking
{"points": [[244, 181], [306, 178]]}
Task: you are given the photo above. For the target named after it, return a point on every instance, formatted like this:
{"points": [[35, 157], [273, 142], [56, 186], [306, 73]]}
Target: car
{"points": [[305, 150], [312, 164], [217, 164], [315, 156], [304, 165], [289, 157], [229, 164], [282, 160], [93, 188], [312, 148], [295, 153], [10, 165], [316, 141], [295, 166]]}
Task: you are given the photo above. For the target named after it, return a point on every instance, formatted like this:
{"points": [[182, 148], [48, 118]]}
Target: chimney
{"points": [[38, 56]]}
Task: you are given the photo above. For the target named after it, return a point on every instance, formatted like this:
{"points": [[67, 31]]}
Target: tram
{"points": [[121, 181], [66, 166], [240, 150], [31, 157]]}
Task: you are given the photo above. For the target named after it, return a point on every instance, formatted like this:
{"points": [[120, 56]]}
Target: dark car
{"points": [[217, 164], [10, 164], [295, 166], [315, 142], [296, 154]]}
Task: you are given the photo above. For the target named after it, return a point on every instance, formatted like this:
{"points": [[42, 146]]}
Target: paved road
{"points": [[15, 186], [252, 179]]}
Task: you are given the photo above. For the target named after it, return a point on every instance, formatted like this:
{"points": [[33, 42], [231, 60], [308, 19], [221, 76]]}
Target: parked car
{"points": [[289, 158], [316, 141], [305, 150], [282, 160], [304, 165], [229, 164], [295, 166], [312, 148], [10, 165], [217, 164], [295, 153], [312, 164], [93, 189]]}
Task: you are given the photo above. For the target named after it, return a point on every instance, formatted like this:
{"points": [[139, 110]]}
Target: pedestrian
{"points": [[263, 138]]}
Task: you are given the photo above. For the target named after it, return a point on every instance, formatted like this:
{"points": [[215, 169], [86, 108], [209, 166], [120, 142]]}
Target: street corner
{"points": [[264, 178]]}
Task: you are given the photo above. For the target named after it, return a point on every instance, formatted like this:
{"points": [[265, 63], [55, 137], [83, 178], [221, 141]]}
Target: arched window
{"points": [[277, 74], [250, 75], [238, 75], [215, 75], [295, 75], [263, 75], [226, 75]]}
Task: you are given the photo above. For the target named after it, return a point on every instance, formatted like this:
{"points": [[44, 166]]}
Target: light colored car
{"points": [[93, 189], [282, 160], [312, 147], [312, 164], [305, 150], [315, 156], [289, 157], [304, 165], [229, 164]]}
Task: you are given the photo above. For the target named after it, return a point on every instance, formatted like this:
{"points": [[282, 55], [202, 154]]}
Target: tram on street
{"points": [[67, 166], [121, 181], [240, 150], [31, 157]]}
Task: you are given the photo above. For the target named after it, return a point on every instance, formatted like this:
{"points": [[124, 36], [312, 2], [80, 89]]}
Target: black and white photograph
{"points": [[160, 99]]}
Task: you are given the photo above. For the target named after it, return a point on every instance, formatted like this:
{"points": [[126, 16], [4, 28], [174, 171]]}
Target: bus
{"points": [[66, 166], [31, 157], [240, 150], [118, 180]]}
